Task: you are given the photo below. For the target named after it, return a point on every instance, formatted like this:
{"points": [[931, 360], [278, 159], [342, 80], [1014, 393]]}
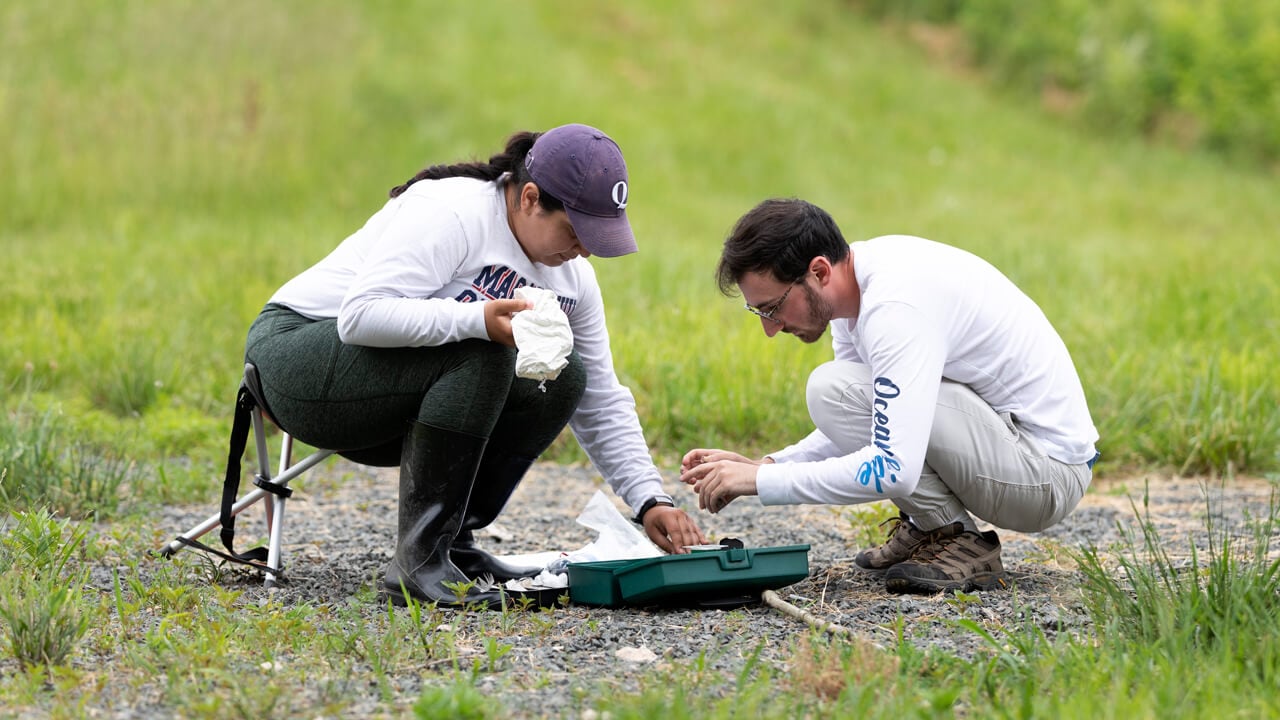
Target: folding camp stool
{"points": [[274, 491]]}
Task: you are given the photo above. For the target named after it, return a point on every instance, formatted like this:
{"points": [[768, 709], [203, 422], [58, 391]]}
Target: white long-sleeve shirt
{"points": [[417, 274], [931, 311]]}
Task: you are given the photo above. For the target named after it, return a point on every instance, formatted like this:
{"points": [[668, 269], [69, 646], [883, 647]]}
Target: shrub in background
{"points": [[1199, 74]]}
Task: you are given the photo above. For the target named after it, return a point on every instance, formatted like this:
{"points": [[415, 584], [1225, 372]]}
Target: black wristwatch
{"points": [[647, 506]]}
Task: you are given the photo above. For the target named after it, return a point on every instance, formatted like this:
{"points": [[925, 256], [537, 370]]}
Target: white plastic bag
{"points": [[617, 539]]}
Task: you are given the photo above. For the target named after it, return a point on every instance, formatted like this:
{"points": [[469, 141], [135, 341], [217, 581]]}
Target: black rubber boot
{"points": [[437, 470], [497, 478]]}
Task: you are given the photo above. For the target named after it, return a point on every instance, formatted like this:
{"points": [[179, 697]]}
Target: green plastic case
{"points": [[703, 577], [595, 583]]}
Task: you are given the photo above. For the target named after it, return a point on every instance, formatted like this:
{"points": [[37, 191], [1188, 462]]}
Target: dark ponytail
{"points": [[510, 160]]}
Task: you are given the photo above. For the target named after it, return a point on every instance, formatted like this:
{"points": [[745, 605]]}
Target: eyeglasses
{"points": [[774, 307]]}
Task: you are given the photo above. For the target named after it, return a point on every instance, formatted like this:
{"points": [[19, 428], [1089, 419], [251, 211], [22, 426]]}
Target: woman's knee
{"points": [[563, 392], [489, 357], [574, 377]]}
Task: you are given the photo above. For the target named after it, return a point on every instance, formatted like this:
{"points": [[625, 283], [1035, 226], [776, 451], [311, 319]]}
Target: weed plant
{"points": [[1219, 606], [40, 595], [460, 700], [1175, 631], [44, 465]]}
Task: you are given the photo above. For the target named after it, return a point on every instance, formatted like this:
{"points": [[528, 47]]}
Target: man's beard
{"points": [[819, 317]]}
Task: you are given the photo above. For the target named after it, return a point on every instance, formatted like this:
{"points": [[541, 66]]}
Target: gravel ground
{"points": [[340, 530]]}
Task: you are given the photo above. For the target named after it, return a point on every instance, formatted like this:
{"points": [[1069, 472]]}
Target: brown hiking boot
{"points": [[953, 559], [902, 541]]}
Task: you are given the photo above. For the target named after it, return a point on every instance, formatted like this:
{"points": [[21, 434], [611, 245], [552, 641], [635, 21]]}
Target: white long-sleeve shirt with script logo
{"points": [[931, 311]]}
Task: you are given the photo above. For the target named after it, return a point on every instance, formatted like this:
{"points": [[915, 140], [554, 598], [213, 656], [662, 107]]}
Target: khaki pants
{"points": [[977, 460]]}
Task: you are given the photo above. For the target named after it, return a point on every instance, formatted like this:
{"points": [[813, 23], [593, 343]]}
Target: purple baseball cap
{"points": [[583, 168]]}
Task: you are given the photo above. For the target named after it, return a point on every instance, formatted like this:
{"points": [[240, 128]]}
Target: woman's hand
{"points": [[671, 529], [497, 319]]}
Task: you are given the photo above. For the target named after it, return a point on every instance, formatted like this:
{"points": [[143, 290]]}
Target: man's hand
{"points": [[718, 476], [694, 458], [671, 529], [497, 319]]}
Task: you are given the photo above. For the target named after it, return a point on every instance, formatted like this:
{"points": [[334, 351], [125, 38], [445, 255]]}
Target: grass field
{"points": [[171, 165], [167, 165]]}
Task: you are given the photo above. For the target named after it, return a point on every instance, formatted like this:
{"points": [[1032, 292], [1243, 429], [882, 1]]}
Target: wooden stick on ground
{"points": [[775, 601]]}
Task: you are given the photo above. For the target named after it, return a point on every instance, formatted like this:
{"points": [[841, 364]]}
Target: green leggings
{"points": [[361, 400]]}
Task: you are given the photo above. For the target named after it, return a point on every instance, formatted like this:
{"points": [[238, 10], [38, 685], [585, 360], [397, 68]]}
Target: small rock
{"points": [[635, 655]]}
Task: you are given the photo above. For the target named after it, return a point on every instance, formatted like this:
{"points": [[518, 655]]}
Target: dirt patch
{"points": [[341, 526]]}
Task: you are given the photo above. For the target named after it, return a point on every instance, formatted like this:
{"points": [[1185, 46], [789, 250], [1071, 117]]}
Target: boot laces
{"points": [[894, 523], [936, 543]]}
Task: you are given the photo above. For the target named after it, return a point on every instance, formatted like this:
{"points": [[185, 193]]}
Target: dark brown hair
{"points": [[510, 160], [780, 236]]}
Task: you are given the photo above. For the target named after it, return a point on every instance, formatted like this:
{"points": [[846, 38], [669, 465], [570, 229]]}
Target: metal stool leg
{"points": [[275, 517], [246, 501], [274, 504]]}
